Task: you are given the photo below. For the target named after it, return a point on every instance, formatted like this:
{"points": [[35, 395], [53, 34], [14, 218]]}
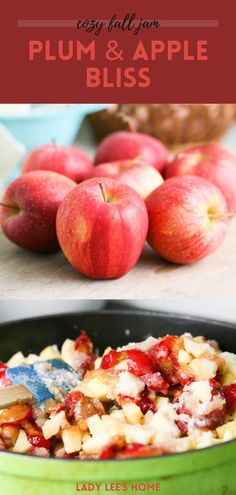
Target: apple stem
{"points": [[215, 216], [54, 141], [127, 121], [8, 206], [103, 191]]}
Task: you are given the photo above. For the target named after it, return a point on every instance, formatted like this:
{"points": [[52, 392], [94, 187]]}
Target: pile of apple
{"points": [[102, 215]]}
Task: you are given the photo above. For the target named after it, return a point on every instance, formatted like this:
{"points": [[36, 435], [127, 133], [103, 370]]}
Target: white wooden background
{"points": [[26, 275]]}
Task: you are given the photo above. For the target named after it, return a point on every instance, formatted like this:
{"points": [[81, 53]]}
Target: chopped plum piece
{"points": [[84, 355], [139, 450], [15, 415], [83, 343], [138, 362], [35, 435], [230, 397], [110, 450], [165, 354], [3, 368], [79, 408], [145, 402]]}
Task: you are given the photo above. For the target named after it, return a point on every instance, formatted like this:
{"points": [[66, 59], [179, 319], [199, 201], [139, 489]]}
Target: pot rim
{"points": [[128, 312]]}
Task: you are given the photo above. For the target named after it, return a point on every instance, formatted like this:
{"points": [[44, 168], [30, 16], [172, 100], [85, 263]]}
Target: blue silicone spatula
{"points": [[40, 381]]}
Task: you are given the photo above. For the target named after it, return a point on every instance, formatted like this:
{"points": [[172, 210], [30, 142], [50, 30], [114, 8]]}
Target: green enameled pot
{"points": [[210, 471]]}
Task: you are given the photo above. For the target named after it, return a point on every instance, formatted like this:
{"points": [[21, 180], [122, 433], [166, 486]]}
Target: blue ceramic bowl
{"points": [[41, 127]]}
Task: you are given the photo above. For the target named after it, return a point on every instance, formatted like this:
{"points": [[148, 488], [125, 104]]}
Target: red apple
{"points": [[188, 219], [125, 145], [70, 161], [29, 208], [135, 173], [101, 227], [212, 163]]}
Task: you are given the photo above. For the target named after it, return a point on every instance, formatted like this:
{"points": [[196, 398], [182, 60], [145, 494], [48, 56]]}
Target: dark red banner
{"points": [[126, 51]]}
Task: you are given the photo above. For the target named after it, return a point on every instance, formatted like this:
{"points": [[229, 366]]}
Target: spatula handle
{"points": [[16, 394]]}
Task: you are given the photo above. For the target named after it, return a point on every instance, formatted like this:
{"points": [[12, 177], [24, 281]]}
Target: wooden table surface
{"points": [[25, 275]]}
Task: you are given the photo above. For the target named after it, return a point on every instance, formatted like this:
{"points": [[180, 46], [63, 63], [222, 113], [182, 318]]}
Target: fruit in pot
{"points": [[3, 368], [79, 408], [188, 219], [102, 227], [125, 145], [139, 450], [72, 439], [70, 161], [29, 208], [15, 415], [230, 396], [212, 163], [22, 445], [135, 173], [4, 380], [138, 362], [165, 353], [9, 434], [35, 435]]}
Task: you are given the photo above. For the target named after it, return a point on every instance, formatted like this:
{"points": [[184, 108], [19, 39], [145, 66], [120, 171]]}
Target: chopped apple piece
{"points": [[68, 352], [184, 357], [161, 401], [53, 425], [112, 425], [118, 414], [229, 427], [97, 363], [203, 369], [15, 360], [50, 352], [229, 373], [22, 445], [94, 424], [132, 412], [99, 384], [95, 444], [197, 348], [31, 359], [71, 437], [138, 434], [129, 385], [85, 436]]}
